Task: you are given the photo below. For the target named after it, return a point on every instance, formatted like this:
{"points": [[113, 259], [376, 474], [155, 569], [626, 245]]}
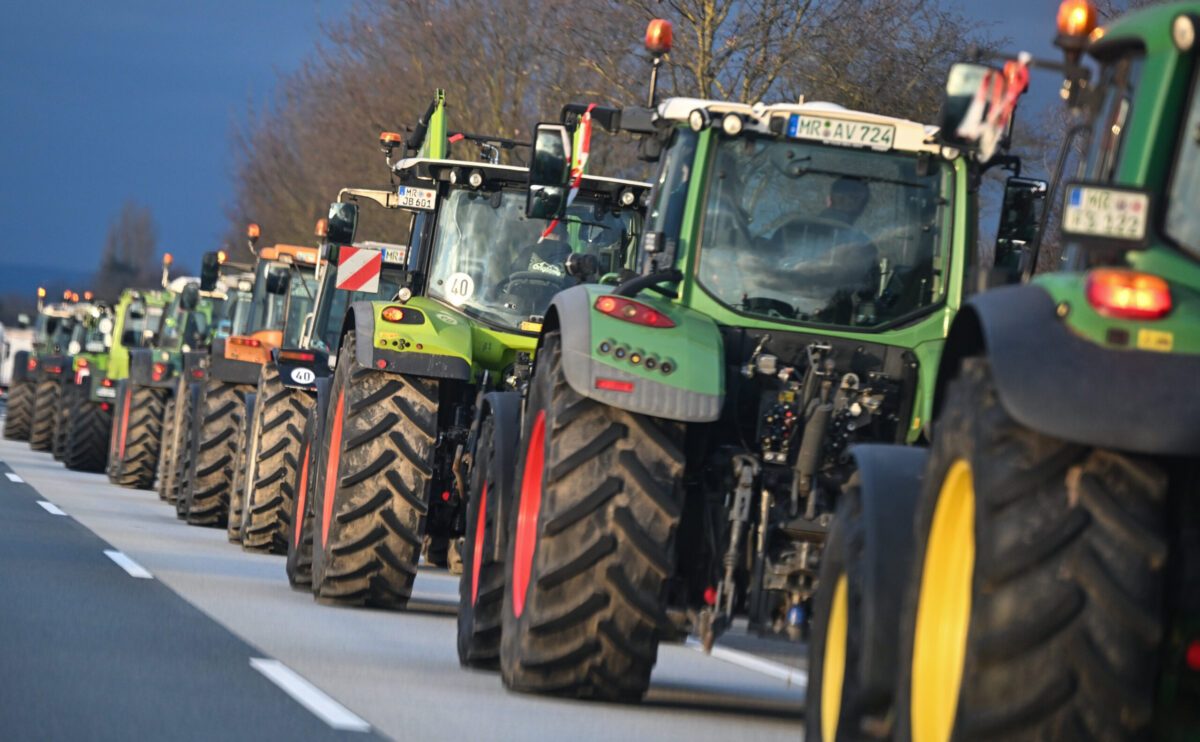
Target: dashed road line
{"points": [[790, 675], [51, 508], [310, 696], [12, 477], [133, 568]]}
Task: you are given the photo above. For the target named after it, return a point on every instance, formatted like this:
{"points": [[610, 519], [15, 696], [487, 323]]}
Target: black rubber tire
{"points": [[168, 450], [271, 475], [87, 436], [216, 454], [237, 488], [1067, 585], [481, 599], [45, 413], [611, 499], [377, 451], [62, 418], [300, 532], [19, 411], [139, 464], [185, 406]]}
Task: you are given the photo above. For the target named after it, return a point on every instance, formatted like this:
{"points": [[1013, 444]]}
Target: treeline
{"points": [[506, 64]]}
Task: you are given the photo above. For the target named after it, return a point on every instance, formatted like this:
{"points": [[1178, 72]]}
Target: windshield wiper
{"points": [[871, 178]]}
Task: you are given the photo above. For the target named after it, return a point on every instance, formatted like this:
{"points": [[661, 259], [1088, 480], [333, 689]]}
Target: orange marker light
{"points": [[67, 295], [390, 138], [1076, 17], [392, 314], [41, 293], [1126, 294], [252, 231], [659, 36], [87, 295], [322, 227], [221, 257], [168, 259], [75, 296]]}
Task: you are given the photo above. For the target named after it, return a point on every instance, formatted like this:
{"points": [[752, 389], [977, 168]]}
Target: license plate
{"points": [[106, 391], [841, 132], [394, 255], [416, 198], [1106, 213]]}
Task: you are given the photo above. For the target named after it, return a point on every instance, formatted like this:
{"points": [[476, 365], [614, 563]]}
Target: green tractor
{"points": [[1044, 558], [47, 368], [410, 372], [686, 435], [23, 385], [187, 322], [84, 418]]}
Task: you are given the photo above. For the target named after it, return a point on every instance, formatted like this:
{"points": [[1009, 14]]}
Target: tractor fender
{"points": [[141, 368], [505, 410], [20, 368], [295, 373], [693, 392], [444, 340], [1062, 385], [231, 370], [889, 485]]}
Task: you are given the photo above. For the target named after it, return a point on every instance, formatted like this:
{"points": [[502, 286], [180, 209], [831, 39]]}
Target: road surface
{"points": [[117, 621]]}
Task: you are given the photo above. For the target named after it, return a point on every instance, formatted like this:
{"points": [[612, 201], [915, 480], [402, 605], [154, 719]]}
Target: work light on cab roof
{"points": [[322, 228]]}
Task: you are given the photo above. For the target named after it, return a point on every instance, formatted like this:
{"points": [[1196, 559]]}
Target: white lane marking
{"points": [[133, 568], [778, 670], [13, 477], [309, 696], [50, 507]]}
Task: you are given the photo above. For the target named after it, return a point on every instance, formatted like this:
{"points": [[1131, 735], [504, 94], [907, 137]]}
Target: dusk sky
{"points": [[136, 99]]}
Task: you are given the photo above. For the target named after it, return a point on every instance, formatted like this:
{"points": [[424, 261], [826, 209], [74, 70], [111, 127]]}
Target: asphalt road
{"points": [[210, 642]]}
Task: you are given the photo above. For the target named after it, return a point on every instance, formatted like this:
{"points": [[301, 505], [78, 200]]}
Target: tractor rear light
{"points": [[158, 371], [105, 406], [297, 355], [32, 364], [248, 342], [1126, 294], [614, 385], [381, 364], [632, 311], [197, 373], [1193, 655], [106, 382]]}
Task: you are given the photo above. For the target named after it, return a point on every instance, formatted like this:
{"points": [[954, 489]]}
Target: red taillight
{"points": [[248, 342], [106, 382], [104, 406], [1126, 294], [632, 311], [381, 363], [614, 385], [197, 373], [158, 372], [392, 314], [32, 364], [81, 363], [1193, 655], [295, 355], [54, 369]]}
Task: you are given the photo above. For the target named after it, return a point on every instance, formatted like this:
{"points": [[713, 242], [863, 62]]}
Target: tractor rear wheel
{"points": [[20, 409], [169, 450], [87, 437], [592, 546], [62, 418], [300, 533], [45, 414], [275, 457], [235, 524], [378, 447], [185, 409], [481, 587], [1034, 604], [221, 411], [139, 433]]}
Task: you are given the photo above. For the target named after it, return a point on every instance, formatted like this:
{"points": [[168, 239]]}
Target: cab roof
{"points": [[432, 169], [289, 253]]}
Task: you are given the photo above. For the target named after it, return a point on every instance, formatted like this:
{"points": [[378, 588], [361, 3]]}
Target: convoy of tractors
{"points": [[787, 387]]}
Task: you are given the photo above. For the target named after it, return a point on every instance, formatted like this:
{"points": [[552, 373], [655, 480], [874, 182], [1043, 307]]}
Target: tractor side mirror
{"points": [[210, 269], [549, 172], [342, 223], [189, 299], [23, 320], [278, 280], [963, 84], [1021, 216], [129, 338]]}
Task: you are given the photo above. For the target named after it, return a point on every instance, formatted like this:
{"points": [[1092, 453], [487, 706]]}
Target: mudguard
{"points": [[1057, 383], [687, 379], [231, 369], [54, 367], [431, 341], [20, 368], [141, 367], [890, 482], [505, 409]]}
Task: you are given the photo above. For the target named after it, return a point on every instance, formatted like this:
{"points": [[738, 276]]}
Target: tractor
{"points": [[390, 472], [47, 368], [676, 460], [1034, 576], [84, 419]]}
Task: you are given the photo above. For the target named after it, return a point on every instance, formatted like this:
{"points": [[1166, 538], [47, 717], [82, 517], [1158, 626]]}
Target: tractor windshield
{"points": [[824, 235], [302, 294], [488, 261], [239, 309]]}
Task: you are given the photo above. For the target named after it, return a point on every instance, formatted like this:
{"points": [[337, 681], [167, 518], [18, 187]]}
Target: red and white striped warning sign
{"points": [[359, 268]]}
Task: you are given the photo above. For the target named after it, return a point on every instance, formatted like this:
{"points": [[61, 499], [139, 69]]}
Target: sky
{"points": [[136, 99]]}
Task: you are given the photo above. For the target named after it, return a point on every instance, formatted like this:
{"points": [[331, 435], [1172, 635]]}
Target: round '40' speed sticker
{"points": [[459, 288]]}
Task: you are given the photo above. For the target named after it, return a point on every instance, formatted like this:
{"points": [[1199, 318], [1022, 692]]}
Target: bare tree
{"points": [[129, 257]]}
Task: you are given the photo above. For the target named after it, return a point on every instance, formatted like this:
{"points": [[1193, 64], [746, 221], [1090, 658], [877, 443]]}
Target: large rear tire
{"points": [[593, 543], [139, 432], [221, 411], [62, 418], [169, 450], [270, 474], [481, 587], [300, 534], [87, 437], [19, 412], [45, 414], [378, 447], [1034, 606], [237, 488]]}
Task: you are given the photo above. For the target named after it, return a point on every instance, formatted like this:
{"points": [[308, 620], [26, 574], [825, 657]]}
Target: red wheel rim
{"points": [[125, 422], [331, 471], [477, 552], [527, 513], [301, 495]]}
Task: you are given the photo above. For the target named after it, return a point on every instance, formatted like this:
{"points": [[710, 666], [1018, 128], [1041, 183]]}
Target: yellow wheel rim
{"points": [[944, 608], [833, 669]]}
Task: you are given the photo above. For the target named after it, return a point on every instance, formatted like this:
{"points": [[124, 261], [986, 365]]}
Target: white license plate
{"points": [[394, 255], [841, 132], [1105, 213], [106, 391], [416, 198]]}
